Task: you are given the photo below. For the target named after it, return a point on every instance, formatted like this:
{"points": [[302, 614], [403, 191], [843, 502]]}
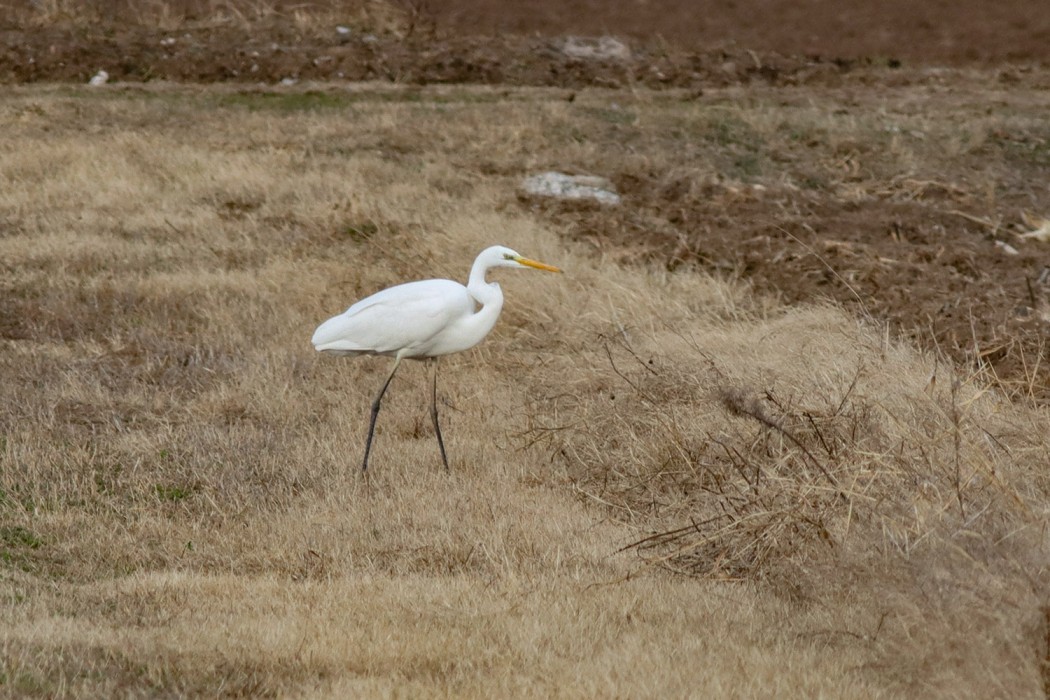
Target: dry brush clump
{"points": [[811, 455]]}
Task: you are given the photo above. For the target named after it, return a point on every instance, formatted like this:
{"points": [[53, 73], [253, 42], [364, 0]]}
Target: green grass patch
{"points": [[173, 493], [728, 130], [15, 544], [333, 100], [311, 100], [15, 536], [611, 115], [359, 232]]}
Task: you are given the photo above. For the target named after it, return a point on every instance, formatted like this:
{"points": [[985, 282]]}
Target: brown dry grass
{"points": [[181, 509]]}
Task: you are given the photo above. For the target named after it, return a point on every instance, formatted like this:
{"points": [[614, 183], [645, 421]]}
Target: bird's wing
{"points": [[404, 317]]}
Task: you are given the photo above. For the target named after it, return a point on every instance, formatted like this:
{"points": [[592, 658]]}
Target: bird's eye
{"points": [[508, 256]]}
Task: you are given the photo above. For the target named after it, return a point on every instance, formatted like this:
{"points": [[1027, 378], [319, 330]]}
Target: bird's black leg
{"points": [[375, 412], [434, 408]]}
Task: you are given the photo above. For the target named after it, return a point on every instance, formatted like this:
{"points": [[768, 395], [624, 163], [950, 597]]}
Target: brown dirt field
{"points": [[916, 32]]}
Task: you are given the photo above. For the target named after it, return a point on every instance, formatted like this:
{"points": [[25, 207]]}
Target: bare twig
{"points": [[991, 225], [738, 405]]}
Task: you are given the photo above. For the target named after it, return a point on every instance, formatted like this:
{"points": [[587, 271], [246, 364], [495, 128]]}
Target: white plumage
{"points": [[422, 319]]}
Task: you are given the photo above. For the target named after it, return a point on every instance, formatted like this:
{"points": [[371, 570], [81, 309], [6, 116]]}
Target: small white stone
{"points": [[562, 186], [99, 78], [602, 48], [1006, 248]]}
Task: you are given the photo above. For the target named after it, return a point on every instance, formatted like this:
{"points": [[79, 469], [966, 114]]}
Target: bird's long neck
{"points": [[488, 295]]}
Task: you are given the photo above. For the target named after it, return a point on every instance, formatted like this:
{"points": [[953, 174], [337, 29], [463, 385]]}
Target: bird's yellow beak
{"points": [[538, 265]]}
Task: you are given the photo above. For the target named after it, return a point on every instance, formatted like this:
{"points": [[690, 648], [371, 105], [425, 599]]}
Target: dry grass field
{"points": [[663, 484]]}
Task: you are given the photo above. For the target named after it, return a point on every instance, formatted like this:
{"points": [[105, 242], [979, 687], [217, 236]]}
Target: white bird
{"points": [[422, 321]]}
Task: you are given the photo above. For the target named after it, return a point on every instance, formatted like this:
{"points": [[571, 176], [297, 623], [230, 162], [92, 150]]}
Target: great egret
{"points": [[421, 321]]}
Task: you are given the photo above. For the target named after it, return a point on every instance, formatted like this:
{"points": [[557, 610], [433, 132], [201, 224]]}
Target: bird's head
{"points": [[501, 256]]}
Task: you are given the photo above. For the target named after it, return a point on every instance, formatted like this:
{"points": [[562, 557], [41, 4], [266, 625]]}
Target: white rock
{"points": [[342, 31], [288, 81], [99, 78], [1006, 248], [562, 186], [605, 47]]}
